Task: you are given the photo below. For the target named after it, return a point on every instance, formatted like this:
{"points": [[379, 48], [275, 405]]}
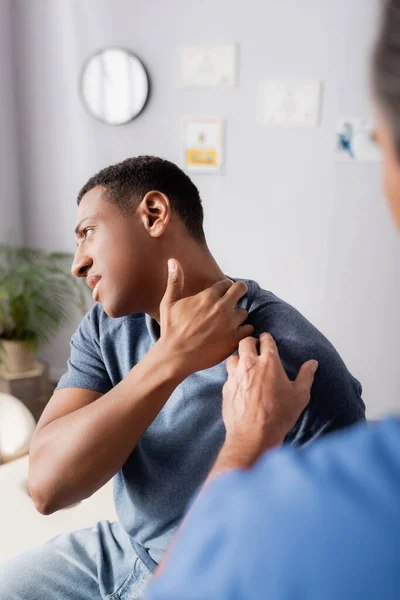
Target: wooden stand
{"points": [[33, 388]]}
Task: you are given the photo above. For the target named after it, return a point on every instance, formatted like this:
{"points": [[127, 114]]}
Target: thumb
{"points": [[305, 377], [175, 282]]}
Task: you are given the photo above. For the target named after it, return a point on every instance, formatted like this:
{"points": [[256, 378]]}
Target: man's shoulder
{"points": [[265, 304], [269, 312], [336, 395]]}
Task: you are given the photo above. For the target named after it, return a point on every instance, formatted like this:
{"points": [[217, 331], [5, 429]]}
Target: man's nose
{"points": [[81, 265]]}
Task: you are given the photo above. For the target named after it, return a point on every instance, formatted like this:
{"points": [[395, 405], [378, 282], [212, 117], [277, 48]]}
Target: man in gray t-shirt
{"points": [[141, 399]]}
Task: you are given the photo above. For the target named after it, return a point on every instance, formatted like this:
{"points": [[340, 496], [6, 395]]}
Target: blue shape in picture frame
{"points": [[355, 140], [345, 139]]}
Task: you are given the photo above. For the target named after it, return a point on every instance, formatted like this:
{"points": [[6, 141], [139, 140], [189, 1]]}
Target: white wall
{"points": [[10, 215], [315, 232]]}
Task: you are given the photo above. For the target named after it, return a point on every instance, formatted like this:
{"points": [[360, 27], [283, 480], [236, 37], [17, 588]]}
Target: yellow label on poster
{"points": [[201, 157]]}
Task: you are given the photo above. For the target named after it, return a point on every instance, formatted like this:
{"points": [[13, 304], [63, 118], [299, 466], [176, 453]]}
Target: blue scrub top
{"points": [[320, 523]]}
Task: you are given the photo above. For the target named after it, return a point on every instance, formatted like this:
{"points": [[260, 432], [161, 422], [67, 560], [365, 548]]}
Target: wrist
{"points": [[236, 455], [244, 452], [172, 358], [230, 458]]}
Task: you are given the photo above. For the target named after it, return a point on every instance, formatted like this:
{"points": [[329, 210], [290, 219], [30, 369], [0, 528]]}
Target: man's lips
{"points": [[93, 280]]}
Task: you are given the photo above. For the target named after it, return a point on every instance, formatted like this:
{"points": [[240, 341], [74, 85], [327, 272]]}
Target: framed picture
{"points": [[289, 103], [203, 145], [355, 141], [208, 65]]}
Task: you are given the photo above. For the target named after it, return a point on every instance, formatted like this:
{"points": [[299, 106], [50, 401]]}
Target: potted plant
{"points": [[36, 291]]}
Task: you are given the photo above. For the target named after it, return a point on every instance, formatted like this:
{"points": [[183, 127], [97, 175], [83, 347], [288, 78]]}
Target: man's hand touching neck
{"points": [[200, 269]]}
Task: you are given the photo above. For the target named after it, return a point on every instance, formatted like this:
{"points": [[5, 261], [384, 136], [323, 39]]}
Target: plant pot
{"points": [[18, 357]]}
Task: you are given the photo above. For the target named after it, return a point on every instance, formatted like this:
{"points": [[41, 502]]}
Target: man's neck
{"points": [[200, 271]]}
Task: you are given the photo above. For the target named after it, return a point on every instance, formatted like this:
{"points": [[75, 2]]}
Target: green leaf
{"points": [[37, 292]]}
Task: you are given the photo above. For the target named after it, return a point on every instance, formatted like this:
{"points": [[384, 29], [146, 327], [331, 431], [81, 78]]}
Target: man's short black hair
{"points": [[127, 182]]}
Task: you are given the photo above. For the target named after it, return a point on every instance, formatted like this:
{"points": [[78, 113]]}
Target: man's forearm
{"points": [[76, 454]]}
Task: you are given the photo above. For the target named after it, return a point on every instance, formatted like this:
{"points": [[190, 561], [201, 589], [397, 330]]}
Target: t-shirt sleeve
{"points": [[335, 396], [85, 367]]}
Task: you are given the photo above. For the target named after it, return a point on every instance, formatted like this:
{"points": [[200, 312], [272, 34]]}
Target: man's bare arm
{"points": [[75, 454], [84, 438]]}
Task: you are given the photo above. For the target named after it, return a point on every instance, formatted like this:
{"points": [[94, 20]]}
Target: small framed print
{"points": [[289, 103], [203, 145], [208, 66], [355, 141]]}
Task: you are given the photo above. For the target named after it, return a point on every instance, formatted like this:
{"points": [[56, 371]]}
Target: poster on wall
{"points": [[289, 103], [203, 141], [208, 65], [355, 141]]}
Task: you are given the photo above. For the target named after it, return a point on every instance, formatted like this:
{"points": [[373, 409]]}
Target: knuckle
{"points": [[247, 378], [236, 287], [246, 363], [270, 353], [217, 307], [207, 298], [266, 335], [268, 340]]}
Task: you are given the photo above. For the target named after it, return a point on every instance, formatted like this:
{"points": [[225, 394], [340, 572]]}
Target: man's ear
{"points": [[155, 212]]}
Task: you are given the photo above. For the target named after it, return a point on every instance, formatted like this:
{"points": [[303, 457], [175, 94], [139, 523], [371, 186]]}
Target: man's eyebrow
{"points": [[77, 228]]}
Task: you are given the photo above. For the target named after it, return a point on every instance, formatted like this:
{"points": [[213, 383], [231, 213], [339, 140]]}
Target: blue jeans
{"points": [[90, 564]]}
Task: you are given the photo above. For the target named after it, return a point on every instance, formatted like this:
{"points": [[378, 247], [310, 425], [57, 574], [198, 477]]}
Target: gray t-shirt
{"points": [[175, 454]]}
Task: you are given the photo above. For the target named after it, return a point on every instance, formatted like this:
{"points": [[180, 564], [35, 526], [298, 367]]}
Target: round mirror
{"points": [[114, 86]]}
